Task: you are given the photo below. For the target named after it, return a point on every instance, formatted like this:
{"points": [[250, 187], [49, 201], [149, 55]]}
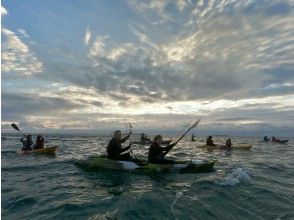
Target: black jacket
{"points": [[114, 148], [157, 153]]}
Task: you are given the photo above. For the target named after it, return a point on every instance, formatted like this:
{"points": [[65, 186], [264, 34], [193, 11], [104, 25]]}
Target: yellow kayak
{"points": [[46, 150], [219, 146]]}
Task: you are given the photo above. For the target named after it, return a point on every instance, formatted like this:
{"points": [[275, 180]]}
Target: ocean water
{"points": [[254, 184]]}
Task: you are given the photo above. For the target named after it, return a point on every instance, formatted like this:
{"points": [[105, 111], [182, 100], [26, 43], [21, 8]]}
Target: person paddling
{"points": [[266, 138], [228, 143], [157, 153], [144, 138], [27, 143], [39, 143], [193, 137], [209, 141], [114, 149]]}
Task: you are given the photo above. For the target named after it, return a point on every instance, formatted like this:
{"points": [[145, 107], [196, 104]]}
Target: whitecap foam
{"points": [[178, 195], [238, 175]]}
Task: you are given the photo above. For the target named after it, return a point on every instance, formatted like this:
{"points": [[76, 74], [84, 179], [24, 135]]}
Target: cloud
{"points": [[23, 33], [172, 61], [17, 57], [87, 37], [14, 105], [4, 12]]}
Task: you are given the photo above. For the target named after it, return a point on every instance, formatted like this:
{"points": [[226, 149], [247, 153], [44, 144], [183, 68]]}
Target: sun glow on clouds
{"points": [[178, 59]]}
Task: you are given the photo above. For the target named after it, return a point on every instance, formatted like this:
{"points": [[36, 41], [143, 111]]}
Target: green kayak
{"points": [[101, 162]]}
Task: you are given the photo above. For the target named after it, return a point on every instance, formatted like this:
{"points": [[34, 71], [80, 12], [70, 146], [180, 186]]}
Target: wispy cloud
{"points": [[17, 57], [4, 12], [23, 33], [87, 37]]}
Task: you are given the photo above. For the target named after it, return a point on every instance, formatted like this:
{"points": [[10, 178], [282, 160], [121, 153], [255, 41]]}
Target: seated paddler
{"points": [[157, 153], [114, 148]]}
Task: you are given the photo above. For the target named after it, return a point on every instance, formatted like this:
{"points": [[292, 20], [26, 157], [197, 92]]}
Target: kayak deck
{"points": [[46, 150], [98, 162]]}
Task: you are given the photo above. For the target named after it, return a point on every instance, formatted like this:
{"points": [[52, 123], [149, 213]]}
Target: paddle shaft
{"points": [[17, 128], [193, 126]]}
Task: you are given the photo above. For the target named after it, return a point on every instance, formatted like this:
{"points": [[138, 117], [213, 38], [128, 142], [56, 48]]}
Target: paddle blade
{"points": [[196, 123], [15, 126]]}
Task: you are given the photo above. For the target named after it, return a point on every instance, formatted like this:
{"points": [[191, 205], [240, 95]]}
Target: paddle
{"points": [[193, 126], [16, 128]]}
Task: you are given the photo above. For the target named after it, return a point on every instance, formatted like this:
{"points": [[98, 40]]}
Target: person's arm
{"points": [[126, 148], [21, 140], [168, 148], [127, 137]]}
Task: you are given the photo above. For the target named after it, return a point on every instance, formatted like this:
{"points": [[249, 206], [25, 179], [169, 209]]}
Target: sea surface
{"points": [[245, 184]]}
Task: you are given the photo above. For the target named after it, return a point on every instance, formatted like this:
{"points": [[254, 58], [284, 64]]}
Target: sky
{"points": [[92, 66]]}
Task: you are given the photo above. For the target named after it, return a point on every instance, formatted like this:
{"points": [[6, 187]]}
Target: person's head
{"points": [[209, 137], [229, 139], [40, 138], [29, 137], [158, 139], [117, 134], [142, 134]]}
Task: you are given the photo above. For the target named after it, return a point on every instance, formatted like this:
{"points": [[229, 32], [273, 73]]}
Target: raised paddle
{"points": [[16, 128], [193, 126]]}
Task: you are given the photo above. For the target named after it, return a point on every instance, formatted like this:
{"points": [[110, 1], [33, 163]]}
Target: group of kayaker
{"points": [[156, 152], [209, 142], [28, 145], [274, 139]]}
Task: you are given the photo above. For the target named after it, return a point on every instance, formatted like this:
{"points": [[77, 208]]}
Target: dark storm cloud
{"points": [[18, 105]]}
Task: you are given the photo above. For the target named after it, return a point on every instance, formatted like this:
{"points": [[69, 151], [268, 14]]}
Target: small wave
{"points": [[17, 202], [107, 215], [178, 195], [239, 175], [8, 151]]}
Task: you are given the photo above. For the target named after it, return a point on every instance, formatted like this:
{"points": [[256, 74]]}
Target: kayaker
{"points": [[228, 143], [39, 143], [114, 148], [27, 143], [193, 138], [266, 138], [144, 138], [275, 139], [157, 153], [209, 141]]}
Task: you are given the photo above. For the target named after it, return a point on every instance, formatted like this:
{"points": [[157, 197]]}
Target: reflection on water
{"points": [[38, 187]]}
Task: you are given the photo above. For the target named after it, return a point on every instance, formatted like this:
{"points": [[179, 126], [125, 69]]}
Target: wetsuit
{"points": [[114, 149], [38, 145], [193, 138], [209, 142], [157, 153], [229, 144], [26, 144]]}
